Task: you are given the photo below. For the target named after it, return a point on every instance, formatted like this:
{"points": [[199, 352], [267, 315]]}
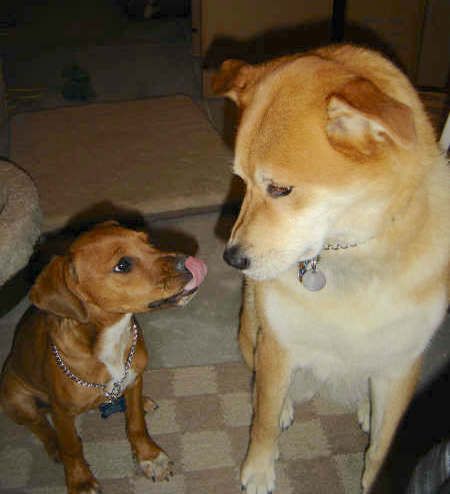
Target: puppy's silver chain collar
{"points": [[116, 391]]}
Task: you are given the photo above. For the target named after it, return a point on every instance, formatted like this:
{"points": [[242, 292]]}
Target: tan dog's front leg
{"points": [[273, 376], [149, 456], [79, 478], [248, 331], [389, 400]]}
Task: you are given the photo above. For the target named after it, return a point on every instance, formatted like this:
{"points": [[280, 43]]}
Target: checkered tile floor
{"points": [[203, 424]]}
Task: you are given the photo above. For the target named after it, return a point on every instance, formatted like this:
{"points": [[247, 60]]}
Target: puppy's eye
{"points": [[124, 265], [275, 190]]}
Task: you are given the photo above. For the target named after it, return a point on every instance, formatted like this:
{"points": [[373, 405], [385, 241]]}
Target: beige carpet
{"points": [[158, 156], [152, 156], [203, 425]]}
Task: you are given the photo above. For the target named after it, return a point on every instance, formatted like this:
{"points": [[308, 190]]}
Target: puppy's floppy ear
{"points": [[52, 293], [361, 116]]}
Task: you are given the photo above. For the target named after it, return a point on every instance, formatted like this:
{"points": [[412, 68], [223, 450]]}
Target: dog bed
{"points": [[20, 219]]}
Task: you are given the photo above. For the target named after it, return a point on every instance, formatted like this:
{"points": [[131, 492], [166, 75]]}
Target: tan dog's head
{"points": [[328, 146], [112, 270]]}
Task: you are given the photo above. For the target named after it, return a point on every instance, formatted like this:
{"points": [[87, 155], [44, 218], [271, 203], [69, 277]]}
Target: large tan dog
{"points": [[343, 239], [80, 347]]}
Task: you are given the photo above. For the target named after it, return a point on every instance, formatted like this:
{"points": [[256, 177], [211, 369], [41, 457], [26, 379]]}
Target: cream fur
{"points": [[111, 352], [345, 130]]}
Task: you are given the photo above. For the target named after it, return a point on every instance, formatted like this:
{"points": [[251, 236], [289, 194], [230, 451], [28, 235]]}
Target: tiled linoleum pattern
{"points": [[203, 424]]}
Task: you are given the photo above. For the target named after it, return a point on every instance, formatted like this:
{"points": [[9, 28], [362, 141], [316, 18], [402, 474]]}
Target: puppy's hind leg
{"points": [[249, 325], [21, 407]]}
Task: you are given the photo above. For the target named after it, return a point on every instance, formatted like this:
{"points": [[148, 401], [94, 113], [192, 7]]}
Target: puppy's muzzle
{"points": [[195, 269], [235, 257], [180, 265]]}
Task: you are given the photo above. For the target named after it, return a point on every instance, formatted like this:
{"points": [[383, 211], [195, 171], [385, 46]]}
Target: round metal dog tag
{"points": [[314, 280]]}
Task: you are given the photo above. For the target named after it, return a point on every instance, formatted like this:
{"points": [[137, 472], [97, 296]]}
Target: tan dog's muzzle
{"points": [[235, 257]]}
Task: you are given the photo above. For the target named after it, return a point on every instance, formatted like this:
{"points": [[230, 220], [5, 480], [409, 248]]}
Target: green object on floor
{"points": [[77, 84]]}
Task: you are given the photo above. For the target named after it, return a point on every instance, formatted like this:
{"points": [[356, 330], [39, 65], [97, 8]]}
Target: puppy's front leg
{"points": [[389, 400], [150, 457], [79, 478], [273, 375]]}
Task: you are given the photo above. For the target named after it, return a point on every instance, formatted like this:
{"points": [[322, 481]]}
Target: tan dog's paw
{"points": [[258, 477], [366, 482], [277, 453], [287, 415], [364, 415], [373, 462], [158, 469]]}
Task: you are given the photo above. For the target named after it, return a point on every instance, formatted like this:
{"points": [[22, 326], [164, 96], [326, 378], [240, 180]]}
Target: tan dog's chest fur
{"points": [[344, 342], [335, 150]]}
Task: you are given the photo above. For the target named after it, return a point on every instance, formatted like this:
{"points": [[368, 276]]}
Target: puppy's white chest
{"points": [[115, 341]]}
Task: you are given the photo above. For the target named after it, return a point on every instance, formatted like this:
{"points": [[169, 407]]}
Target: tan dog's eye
{"points": [[124, 265], [278, 190]]}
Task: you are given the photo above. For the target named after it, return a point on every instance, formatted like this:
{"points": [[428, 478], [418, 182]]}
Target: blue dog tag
{"points": [[111, 407]]}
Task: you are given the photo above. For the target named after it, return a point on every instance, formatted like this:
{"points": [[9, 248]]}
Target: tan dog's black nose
{"points": [[234, 256]]}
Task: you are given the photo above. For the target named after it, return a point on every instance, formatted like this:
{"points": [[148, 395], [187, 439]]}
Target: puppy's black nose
{"points": [[180, 264], [234, 257]]}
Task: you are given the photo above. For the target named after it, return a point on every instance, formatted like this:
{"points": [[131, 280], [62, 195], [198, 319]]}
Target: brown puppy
{"points": [[80, 347], [343, 238]]}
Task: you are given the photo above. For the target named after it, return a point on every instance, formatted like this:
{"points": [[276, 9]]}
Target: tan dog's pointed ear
{"points": [[237, 80], [232, 80], [51, 292], [107, 223], [361, 116]]}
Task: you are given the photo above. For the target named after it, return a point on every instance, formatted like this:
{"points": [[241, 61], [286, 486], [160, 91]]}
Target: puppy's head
{"points": [[113, 270], [326, 146]]}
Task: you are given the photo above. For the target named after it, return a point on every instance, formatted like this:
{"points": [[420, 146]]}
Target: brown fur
{"points": [[76, 299]]}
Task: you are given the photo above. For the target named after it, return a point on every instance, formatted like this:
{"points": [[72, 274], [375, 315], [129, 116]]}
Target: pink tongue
{"points": [[198, 270]]}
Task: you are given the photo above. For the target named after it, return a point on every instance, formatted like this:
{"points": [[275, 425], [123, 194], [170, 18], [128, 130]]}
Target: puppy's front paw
{"points": [[158, 469], [87, 487], [149, 405], [258, 476]]}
